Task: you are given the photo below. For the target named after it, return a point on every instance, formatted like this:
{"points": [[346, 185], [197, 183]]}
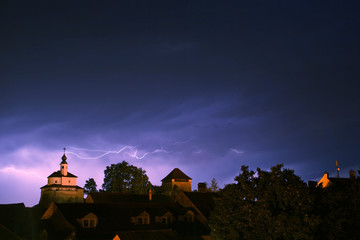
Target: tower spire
{"points": [[63, 164], [337, 169]]}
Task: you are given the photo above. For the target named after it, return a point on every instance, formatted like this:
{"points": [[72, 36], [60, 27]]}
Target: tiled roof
{"points": [[342, 180], [59, 185], [116, 217], [58, 174], [13, 217], [176, 174], [203, 201], [7, 234], [109, 197]]}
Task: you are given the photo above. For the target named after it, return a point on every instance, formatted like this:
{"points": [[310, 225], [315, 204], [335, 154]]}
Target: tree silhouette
{"points": [[266, 205], [90, 186], [214, 186], [122, 177]]}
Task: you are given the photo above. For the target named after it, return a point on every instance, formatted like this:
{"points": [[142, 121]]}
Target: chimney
{"points": [[352, 174], [202, 187], [150, 194]]}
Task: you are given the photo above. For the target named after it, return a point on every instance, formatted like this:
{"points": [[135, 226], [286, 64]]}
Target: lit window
{"points": [[89, 221], [143, 218], [189, 217], [92, 223], [167, 218]]}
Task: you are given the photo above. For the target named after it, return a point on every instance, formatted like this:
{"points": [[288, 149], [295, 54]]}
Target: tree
{"points": [[90, 186], [339, 208], [122, 177], [265, 205], [214, 187]]}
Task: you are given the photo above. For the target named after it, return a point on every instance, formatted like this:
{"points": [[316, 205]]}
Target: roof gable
{"points": [[109, 197], [203, 202], [6, 233], [90, 215], [58, 174], [176, 174]]}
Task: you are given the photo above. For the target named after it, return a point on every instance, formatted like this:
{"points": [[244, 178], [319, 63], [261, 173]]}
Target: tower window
{"points": [[62, 167]]}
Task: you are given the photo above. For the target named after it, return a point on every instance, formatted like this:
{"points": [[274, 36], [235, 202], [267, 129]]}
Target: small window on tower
{"points": [[62, 167], [69, 181]]}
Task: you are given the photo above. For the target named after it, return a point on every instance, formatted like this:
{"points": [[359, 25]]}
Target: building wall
{"points": [[324, 181], [54, 180], [61, 195], [183, 185], [68, 181]]}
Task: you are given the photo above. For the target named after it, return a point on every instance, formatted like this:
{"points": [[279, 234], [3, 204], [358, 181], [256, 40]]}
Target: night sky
{"points": [[205, 86]]}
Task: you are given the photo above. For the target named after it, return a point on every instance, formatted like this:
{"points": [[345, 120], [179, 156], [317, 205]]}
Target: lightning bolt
{"points": [[236, 151], [104, 152], [14, 170], [99, 156], [134, 155]]}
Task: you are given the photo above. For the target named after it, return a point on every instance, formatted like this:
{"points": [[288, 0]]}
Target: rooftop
{"points": [[58, 174], [176, 174]]}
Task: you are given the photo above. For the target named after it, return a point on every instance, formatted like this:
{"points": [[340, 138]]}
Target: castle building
{"points": [[61, 187], [177, 178]]}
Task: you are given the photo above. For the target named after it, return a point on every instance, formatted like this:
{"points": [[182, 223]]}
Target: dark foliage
{"points": [[339, 208], [122, 177], [90, 186], [266, 205]]}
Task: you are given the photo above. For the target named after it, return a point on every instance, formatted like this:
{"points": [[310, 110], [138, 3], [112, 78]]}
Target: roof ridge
{"points": [[176, 173]]}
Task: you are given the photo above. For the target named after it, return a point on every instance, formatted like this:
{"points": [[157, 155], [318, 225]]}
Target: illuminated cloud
{"points": [[22, 173]]}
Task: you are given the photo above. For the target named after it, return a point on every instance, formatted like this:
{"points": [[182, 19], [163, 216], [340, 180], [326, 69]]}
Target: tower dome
{"points": [[63, 165]]}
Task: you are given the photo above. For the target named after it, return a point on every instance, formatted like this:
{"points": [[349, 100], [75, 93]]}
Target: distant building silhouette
{"points": [[177, 178], [327, 181], [61, 187]]}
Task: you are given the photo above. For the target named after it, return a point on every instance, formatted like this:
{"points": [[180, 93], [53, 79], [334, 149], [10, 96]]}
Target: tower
{"points": [[177, 178], [63, 165], [337, 169], [61, 187]]}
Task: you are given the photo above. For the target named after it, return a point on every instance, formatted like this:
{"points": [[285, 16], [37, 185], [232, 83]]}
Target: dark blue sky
{"points": [[205, 86]]}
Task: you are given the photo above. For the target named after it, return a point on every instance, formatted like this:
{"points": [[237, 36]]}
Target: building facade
{"points": [[177, 178], [61, 187]]}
